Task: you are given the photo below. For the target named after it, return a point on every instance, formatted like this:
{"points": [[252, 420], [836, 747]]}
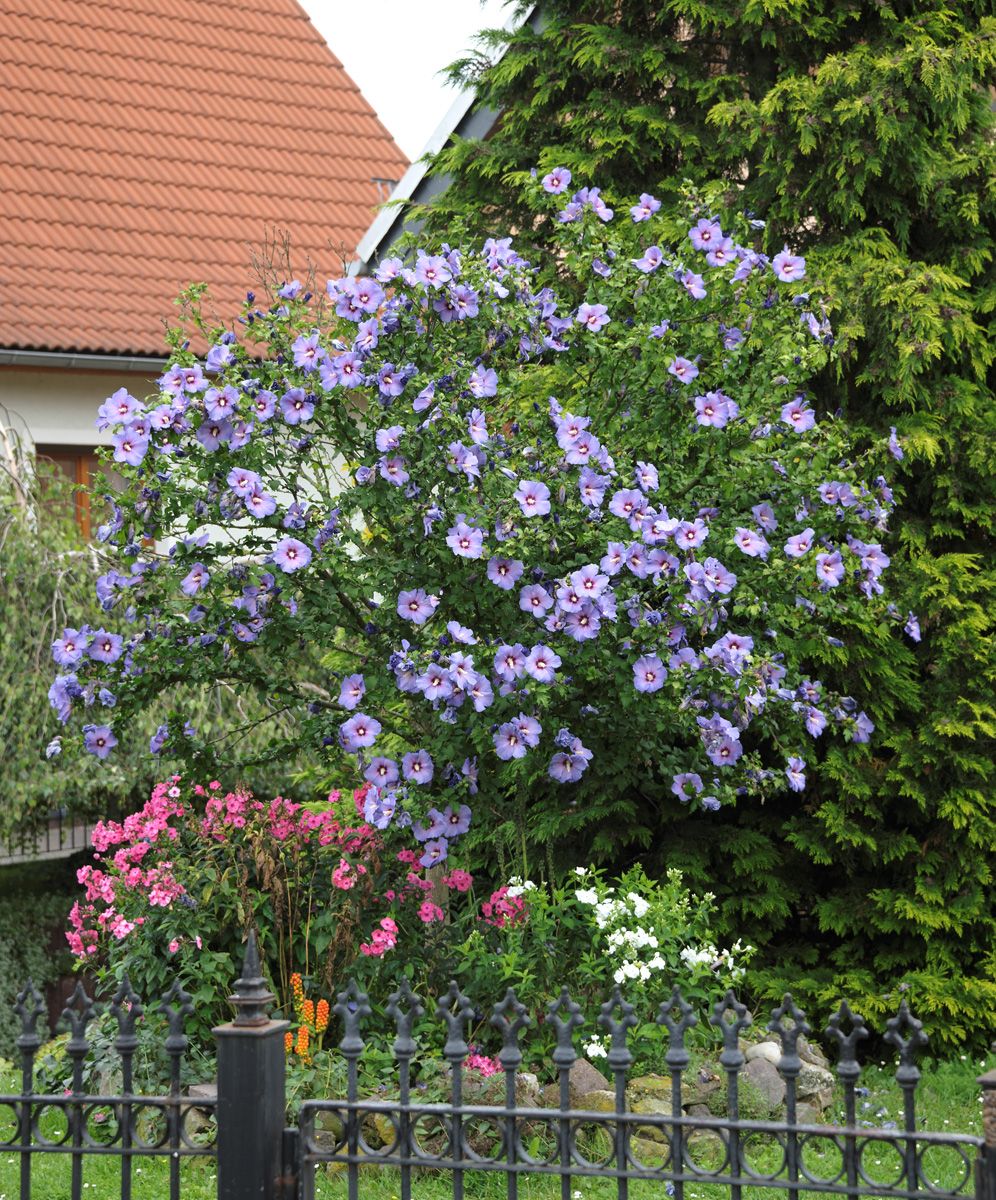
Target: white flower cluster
{"points": [[638, 970], [607, 909], [624, 943], [596, 1048], [721, 962], [518, 887], [634, 950]]}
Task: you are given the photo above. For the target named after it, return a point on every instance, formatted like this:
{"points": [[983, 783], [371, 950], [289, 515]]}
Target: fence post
{"points": [[985, 1167], [251, 1098]]}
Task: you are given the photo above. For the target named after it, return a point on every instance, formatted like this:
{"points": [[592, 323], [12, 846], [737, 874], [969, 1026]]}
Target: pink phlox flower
{"points": [[502, 910], [458, 880], [429, 912], [344, 877], [120, 927], [382, 939], [481, 1063]]}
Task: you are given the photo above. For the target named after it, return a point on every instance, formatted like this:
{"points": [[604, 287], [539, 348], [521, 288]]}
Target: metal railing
{"points": [[258, 1156], [60, 837]]}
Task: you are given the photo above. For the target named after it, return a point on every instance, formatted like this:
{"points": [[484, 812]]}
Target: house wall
{"points": [[59, 407]]}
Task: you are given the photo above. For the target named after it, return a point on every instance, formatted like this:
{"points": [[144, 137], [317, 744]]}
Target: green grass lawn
{"points": [[948, 1101]]}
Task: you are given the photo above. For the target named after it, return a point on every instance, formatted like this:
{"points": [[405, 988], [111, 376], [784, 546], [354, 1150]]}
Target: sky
{"points": [[393, 50]]}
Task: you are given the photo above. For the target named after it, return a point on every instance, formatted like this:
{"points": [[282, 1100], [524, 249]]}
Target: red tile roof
{"points": [[148, 144]]}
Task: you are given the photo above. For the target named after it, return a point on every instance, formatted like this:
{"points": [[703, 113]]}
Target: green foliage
{"points": [[28, 932], [48, 573], [864, 135], [151, 1063]]}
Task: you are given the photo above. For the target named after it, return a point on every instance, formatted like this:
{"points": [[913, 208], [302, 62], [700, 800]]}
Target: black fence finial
{"points": [[252, 998]]}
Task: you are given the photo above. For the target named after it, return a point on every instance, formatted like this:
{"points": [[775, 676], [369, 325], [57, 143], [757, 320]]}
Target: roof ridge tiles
{"points": [[154, 9]]}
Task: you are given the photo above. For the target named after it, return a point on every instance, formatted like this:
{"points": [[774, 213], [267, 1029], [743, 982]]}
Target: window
{"points": [[81, 467]]}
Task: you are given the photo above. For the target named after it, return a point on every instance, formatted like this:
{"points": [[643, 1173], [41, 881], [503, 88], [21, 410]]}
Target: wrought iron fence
{"points": [[737, 1154], [82, 1125], [259, 1157]]}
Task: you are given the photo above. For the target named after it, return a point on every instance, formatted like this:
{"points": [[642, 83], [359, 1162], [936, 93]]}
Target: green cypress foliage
{"points": [[863, 133]]}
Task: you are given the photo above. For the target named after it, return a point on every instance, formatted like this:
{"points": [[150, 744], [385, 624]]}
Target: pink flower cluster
{"points": [[383, 938], [140, 865], [131, 841], [86, 924], [346, 876], [458, 881], [147, 825], [414, 885], [283, 820], [503, 909], [481, 1063]]}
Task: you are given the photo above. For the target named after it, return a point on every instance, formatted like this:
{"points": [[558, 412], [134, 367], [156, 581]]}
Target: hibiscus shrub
{"points": [[568, 568]]}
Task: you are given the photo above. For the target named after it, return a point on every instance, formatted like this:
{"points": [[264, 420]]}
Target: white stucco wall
{"points": [[59, 407]]}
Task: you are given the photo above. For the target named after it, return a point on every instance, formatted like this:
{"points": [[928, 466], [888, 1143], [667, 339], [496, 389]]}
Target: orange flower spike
{"points": [[288, 1042], [302, 1042], [308, 1011], [322, 1016]]}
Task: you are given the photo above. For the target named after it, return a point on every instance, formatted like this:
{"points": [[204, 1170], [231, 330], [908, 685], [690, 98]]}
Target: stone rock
{"points": [[527, 1090], [698, 1110], [812, 1080], [705, 1138], [822, 1099], [652, 1107], [770, 1086], [812, 1054], [598, 1100], [195, 1118], [697, 1089], [583, 1077], [647, 1151], [650, 1085], [328, 1130], [766, 1050], [550, 1096], [387, 1135], [808, 1114]]}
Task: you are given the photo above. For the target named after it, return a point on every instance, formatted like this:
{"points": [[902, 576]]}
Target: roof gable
{"points": [[147, 146]]}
